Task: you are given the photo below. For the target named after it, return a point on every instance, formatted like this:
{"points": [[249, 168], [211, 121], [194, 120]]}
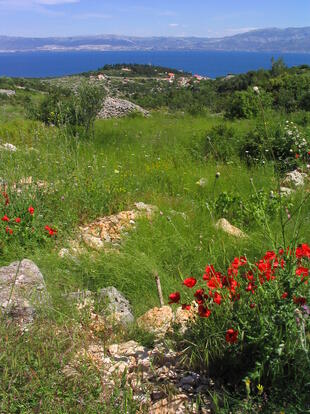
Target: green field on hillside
{"points": [[196, 169]]}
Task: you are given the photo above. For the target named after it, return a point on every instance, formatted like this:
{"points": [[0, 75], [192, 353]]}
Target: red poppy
{"points": [[203, 311], [51, 232], [217, 298], [303, 272], [8, 230], [303, 251], [200, 296], [5, 218], [251, 287], [31, 210], [17, 220], [252, 305], [174, 297], [209, 271], [231, 336], [299, 300], [297, 156], [214, 283], [186, 307], [284, 295], [190, 282]]}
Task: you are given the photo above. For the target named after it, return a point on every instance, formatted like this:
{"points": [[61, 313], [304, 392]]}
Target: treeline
{"points": [[135, 70], [281, 88]]}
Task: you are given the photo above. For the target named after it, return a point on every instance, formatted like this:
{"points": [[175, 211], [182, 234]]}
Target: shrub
{"points": [[253, 321], [221, 142], [248, 104], [285, 144], [74, 111]]}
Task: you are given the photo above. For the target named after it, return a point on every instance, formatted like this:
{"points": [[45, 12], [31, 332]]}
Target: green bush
{"points": [[72, 110], [222, 142], [248, 104], [283, 143]]}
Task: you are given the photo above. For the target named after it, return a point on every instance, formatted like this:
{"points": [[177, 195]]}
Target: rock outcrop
{"points": [[156, 376], [118, 108], [108, 231], [22, 290]]}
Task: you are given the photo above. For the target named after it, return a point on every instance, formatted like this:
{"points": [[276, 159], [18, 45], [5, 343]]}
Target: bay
{"points": [[212, 64]]}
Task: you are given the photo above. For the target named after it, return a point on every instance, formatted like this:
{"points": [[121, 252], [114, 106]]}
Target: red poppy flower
{"points": [[217, 298], [297, 156], [190, 282], [209, 271], [284, 295], [5, 218], [203, 311], [31, 210], [231, 336], [252, 305], [251, 287], [200, 296], [174, 297], [17, 220], [303, 251], [8, 230], [299, 300], [214, 283], [303, 272], [186, 307], [51, 232]]}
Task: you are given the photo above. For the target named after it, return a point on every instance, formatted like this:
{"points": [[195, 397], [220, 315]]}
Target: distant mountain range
{"points": [[263, 40]]}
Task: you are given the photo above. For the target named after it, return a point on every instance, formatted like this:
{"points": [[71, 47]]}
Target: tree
{"points": [[88, 102]]}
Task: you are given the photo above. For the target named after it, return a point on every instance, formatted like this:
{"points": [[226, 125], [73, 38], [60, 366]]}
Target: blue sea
{"points": [[212, 64]]}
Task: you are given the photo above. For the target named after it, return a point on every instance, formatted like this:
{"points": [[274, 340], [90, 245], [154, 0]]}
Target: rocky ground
{"points": [[117, 108]]}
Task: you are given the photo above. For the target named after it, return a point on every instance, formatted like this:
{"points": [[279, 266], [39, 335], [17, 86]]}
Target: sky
{"points": [[206, 18]]}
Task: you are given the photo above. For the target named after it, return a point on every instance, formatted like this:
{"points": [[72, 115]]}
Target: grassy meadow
{"points": [[157, 160]]}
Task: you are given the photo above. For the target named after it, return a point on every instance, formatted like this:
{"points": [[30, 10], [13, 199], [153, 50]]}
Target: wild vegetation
{"points": [[210, 150]]}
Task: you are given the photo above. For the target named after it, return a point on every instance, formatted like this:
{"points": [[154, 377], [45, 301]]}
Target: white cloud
{"points": [[174, 25], [85, 16], [29, 4], [54, 2]]}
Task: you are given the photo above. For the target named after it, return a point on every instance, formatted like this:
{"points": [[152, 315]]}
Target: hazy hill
{"points": [[264, 40]]}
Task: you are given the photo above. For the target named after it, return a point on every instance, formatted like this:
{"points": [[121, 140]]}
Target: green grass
{"points": [[157, 161]]}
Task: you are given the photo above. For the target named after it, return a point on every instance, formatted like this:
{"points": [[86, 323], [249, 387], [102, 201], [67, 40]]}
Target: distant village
{"points": [[171, 78]]}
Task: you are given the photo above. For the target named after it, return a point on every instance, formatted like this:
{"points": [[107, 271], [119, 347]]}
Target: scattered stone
{"points": [[22, 289], [8, 147], [117, 305], [118, 108], [177, 404], [228, 228], [128, 349], [153, 375], [110, 229], [286, 192], [202, 182], [294, 179], [156, 320], [7, 92]]}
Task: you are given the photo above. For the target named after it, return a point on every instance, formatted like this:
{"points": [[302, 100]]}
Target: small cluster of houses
{"points": [[184, 81]]}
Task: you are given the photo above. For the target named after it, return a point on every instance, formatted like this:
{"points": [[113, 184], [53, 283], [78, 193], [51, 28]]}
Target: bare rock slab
{"points": [[117, 305], [22, 290], [228, 228]]}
